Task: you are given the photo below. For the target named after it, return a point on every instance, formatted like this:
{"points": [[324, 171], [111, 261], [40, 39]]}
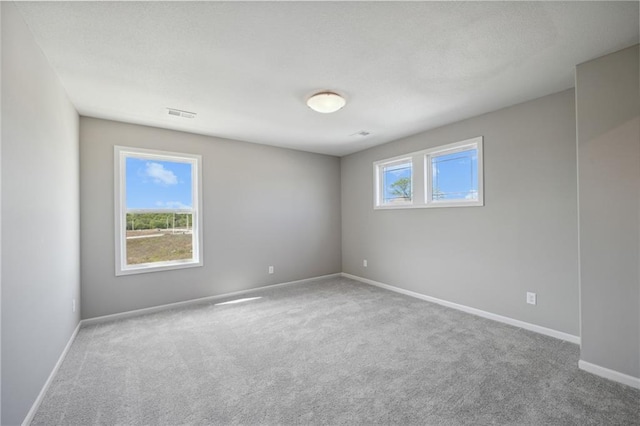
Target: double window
{"points": [[444, 176], [158, 210]]}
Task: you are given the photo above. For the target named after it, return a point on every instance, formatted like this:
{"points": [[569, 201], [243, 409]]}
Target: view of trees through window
{"points": [[159, 221], [397, 182], [158, 237], [159, 218]]}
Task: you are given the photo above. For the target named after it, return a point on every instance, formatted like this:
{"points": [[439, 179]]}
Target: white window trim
{"points": [[421, 165], [120, 154]]}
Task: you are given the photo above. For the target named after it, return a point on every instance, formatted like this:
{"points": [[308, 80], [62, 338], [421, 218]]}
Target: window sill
{"points": [[144, 268], [431, 205]]}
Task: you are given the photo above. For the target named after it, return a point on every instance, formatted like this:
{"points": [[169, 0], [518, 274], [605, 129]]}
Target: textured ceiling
{"points": [[247, 68]]}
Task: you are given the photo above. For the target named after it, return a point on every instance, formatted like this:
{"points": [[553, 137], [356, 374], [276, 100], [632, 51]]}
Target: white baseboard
{"points": [[607, 373], [484, 314], [201, 300], [34, 408]]}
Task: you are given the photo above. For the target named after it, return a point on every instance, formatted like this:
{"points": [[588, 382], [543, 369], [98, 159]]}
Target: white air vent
{"points": [[361, 133], [180, 113]]}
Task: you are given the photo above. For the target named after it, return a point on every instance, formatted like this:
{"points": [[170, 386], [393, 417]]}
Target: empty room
{"points": [[267, 213]]}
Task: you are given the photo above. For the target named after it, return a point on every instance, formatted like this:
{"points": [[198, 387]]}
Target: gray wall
{"points": [[40, 216], [262, 206], [523, 239], [608, 110]]}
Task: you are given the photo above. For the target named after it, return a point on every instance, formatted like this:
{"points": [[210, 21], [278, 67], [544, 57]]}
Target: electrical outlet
{"points": [[531, 298], [271, 269], [364, 263], [73, 305]]}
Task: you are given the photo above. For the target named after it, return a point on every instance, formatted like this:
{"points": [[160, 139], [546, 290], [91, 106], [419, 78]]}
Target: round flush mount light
{"points": [[326, 102]]}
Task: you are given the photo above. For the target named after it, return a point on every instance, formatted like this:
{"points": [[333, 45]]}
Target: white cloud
{"points": [[472, 195], [160, 175], [172, 205]]}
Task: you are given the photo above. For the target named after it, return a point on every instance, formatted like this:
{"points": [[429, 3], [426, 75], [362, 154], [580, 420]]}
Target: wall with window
{"points": [[40, 215], [487, 257], [261, 206]]}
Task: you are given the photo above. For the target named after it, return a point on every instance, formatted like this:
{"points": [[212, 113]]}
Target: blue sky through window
{"points": [[153, 184], [393, 174], [455, 176]]}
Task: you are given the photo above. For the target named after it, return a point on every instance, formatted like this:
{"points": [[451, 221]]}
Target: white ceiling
{"points": [[247, 68]]}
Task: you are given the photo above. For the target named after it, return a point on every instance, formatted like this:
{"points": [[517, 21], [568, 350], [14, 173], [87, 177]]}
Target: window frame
{"points": [[422, 165], [121, 153]]}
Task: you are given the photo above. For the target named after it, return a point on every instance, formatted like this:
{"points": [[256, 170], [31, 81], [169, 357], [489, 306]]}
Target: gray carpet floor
{"points": [[333, 351]]}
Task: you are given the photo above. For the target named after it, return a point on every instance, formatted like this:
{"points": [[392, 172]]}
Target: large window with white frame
{"points": [[158, 210], [451, 176]]}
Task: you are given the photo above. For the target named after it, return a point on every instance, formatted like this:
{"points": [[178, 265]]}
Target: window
{"points": [[158, 213], [395, 185], [452, 177], [453, 174]]}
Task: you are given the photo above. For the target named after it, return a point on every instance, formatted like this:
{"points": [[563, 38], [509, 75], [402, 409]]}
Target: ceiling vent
{"points": [[179, 113]]}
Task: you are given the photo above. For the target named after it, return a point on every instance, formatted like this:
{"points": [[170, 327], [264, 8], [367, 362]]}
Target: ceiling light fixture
{"points": [[326, 102]]}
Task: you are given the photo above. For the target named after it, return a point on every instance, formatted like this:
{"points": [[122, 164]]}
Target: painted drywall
{"points": [[0, 232], [262, 206], [608, 117], [523, 239], [40, 218]]}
